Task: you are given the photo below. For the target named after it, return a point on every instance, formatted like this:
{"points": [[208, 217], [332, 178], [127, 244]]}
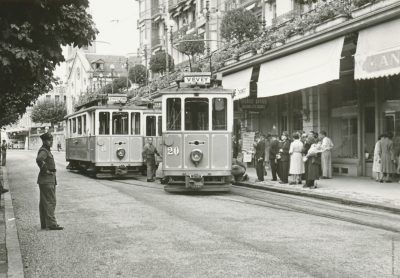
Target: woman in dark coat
{"points": [[313, 164], [284, 158]]}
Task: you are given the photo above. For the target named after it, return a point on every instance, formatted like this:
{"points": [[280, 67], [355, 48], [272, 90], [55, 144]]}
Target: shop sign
{"points": [[253, 101], [382, 61]]}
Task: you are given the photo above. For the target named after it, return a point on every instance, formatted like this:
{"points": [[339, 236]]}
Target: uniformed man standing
{"points": [[149, 152], [47, 184]]}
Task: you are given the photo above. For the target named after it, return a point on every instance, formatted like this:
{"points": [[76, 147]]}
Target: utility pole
{"points": [[166, 48]]}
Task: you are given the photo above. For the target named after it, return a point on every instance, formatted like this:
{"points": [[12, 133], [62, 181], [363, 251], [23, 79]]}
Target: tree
{"points": [[158, 62], [32, 33], [137, 74], [118, 84], [238, 25], [191, 45], [49, 112]]}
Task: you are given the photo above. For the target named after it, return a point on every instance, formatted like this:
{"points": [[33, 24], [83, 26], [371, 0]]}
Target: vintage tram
{"points": [[106, 137], [197, 130]]}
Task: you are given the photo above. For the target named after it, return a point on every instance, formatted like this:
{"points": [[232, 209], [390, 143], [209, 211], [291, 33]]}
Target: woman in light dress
{"points": [[296, 160], [377, 164]]}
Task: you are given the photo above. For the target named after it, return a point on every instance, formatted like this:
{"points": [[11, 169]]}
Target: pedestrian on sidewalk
{"points": [[387, 158], [273, 152], [326, 156], [3, 153], [377, 163], [296, 168], [149, 152], [313, 159], [259, 157], [47, 184], [284, 158]]}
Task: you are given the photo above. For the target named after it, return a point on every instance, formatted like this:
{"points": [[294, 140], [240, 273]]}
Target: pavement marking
{"points": [[15, 266]]}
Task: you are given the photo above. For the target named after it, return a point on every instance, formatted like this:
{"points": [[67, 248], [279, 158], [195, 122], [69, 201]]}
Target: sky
{"points": [[116, 22]]}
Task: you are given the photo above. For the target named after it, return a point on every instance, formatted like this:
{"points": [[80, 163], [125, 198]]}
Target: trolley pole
{"points": [[208, 39]]}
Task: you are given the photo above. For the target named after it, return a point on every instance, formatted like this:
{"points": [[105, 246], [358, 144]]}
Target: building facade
{"points": [[341, 77]]}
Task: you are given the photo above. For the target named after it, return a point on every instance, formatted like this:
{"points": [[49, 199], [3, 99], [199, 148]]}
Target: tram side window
{"points": [[120, 122], [74, 125], [196, 114], [79, 125], [174, 114], [151, 126], [219, 114], [104, 123], [70, 128], [159, 125], [84, 124], [135, 122]]}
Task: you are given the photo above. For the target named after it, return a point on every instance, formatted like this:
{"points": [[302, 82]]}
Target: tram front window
{"points": [[151, 126], [120, 123], [135, 122], [174, 114], [219, 114], [104, 123], [196, 114]]}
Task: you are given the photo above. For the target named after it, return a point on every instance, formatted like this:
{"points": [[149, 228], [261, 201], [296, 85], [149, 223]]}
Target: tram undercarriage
{"points": [[193, 183], [120, 171]]}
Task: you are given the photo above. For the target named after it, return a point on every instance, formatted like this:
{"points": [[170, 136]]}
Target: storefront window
{"points": [[151, 126], [120, 123], [135, 122], [219, 114], [196, 114], [174, 114], [104, 123]]}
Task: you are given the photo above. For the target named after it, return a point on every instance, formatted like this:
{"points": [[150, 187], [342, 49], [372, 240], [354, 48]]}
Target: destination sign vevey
{"points": [[201, 80]]}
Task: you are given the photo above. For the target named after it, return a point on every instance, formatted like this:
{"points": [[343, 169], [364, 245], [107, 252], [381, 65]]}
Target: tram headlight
{"points": [[196, 156], [121, 153]]}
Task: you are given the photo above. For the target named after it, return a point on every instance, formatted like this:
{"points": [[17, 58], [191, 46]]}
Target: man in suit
{"points": [[149, 152], [47, 184], [3, 153], [273, 151], [260, 157]]}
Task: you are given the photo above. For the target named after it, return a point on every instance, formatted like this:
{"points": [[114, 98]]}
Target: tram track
{"points": [[360, 216]]}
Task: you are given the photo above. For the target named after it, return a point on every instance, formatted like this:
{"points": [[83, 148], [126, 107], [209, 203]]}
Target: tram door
{"points": [[153, 129]]}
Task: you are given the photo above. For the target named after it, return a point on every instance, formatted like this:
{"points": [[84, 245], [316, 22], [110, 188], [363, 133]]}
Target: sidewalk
{"points": [[361, 191], [10, 254]]}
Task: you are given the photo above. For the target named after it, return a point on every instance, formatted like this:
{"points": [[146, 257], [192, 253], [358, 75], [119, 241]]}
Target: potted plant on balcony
{"points": [[362, 7]]}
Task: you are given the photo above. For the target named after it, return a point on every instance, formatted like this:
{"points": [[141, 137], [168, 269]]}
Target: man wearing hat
{"points": [[47, 184]]}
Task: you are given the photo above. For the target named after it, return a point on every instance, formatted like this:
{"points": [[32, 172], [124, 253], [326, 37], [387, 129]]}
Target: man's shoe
{"points": [[55, 228], [150, 180], [274, 179], [4, 190]]}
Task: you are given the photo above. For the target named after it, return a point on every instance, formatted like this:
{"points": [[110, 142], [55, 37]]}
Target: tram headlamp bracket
{"points": [[121, 153], [196, 156]]}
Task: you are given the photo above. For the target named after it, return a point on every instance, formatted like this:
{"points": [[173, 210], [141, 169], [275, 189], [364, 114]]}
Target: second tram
{"points": [[107, 139]]}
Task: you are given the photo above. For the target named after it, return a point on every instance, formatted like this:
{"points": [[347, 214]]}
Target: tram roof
{"points": [[189, 90], [115, 107]]}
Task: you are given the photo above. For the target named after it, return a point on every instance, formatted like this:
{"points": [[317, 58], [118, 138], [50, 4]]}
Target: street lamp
{"points": [[112, 67]]}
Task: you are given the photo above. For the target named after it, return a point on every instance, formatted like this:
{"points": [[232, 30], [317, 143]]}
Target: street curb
{"points": [[15, 266], [329, 197]]}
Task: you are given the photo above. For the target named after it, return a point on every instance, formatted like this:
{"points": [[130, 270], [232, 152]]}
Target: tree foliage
{"points": [[191, 45], [238, 25], [32, 33], [119, 85], [158, 62], [137, 74], [49, 112]]}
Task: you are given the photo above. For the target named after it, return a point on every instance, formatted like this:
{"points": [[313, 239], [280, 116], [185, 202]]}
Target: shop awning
{"points": [[238, 81], [307, 68], [378, 51]]}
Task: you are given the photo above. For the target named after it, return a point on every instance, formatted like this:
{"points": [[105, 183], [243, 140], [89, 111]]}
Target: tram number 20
{"points": [[172, 150]]}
